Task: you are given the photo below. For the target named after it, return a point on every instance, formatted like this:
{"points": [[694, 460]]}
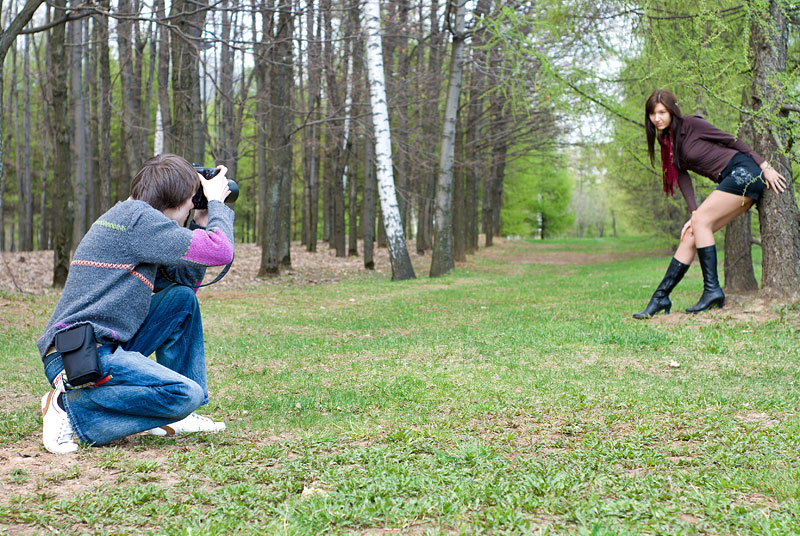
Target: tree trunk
{"points": [[78, 115], [4, 165], [62, 163], [398, 252], [394, 35], [493, 188], [262, 173], [285, 61], [105, 97], [442, 259], [131, 85], [311, 134], [331, 129], [188, 20], [739, 276], [401, 91], [430, 125], [459, 222], [778, 212], [93, 92], [368, 202], [352, 208], [26, 239], [164, 115], [473, 161], [356, 49], [340, 178], [335, 156], [280, 143], [738, 267], [46, 145], [89, 94], [15, 113], [262, 68], [230, 131], [499, 153]]}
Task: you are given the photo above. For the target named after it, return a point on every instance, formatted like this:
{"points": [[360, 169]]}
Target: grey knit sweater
{"points": [[114, 270]]}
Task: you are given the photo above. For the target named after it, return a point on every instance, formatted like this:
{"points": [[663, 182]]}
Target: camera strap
{"points": [[220, 276]]}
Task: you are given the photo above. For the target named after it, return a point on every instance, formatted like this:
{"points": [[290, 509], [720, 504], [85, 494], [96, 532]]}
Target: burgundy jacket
{"points": [[706, 150]]}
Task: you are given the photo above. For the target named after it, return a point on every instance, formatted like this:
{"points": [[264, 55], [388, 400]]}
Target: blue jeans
{"points": [[143, 393]]}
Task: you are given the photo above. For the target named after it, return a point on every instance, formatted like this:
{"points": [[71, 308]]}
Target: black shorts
{"points": [[742, 176]]}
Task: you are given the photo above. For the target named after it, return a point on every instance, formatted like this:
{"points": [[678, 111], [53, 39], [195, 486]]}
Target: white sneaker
{"points": [[187, 425], [57, 433]]}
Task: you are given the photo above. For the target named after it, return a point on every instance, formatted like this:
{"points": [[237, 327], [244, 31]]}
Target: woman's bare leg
{"points": [[713, 214]]}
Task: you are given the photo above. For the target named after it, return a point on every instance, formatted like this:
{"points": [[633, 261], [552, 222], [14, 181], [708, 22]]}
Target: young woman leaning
{"points": [[690, 143]]}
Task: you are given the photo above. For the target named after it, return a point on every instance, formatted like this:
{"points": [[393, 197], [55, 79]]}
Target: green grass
{"points": [[506, 398]]}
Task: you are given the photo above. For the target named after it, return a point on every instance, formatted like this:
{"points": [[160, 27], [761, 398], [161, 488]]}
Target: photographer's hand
{"points": [[216, 188]]}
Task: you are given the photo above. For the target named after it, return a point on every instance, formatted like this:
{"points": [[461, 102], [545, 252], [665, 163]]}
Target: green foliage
{"points": [[701, 53], [536, 197]]}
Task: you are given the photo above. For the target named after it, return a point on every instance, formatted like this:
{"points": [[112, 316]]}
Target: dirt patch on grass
{"points": [[574, 258], [756, 500], [411, 528], [517, 252], [759, 418], [29, 470], [740, 308]]}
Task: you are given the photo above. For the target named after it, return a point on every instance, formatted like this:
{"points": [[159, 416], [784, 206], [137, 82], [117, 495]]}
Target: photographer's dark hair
{"points": [[665, 97], [165, 181]]}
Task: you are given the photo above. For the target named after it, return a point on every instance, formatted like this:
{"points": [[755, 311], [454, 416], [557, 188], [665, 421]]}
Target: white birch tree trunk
{"points": [[442, 259], [395, 237], [158, 137], [348, 105]]}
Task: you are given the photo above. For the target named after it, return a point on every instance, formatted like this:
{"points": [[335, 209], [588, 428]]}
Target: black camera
{"points": [[199, 200]]}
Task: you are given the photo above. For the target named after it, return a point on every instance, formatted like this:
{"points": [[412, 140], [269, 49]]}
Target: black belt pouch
{"points": [[78, 351]]}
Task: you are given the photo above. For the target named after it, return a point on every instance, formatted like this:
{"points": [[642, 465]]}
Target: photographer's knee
{"points": [[189, 398], [182, 294]]}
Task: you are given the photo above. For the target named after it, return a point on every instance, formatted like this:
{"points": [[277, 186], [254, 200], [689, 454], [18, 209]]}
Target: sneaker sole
{"points": [[163, 431]]}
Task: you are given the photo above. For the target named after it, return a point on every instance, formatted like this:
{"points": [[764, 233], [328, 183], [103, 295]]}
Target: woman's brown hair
{"points": [[665, 97], [165, 181]]}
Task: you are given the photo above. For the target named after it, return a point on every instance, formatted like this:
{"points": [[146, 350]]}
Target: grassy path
{"points": [[516, 396]]}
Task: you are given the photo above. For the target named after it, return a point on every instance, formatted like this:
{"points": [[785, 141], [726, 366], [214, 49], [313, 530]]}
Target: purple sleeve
{"points": [[159, 240], [709, 132], [685, 184], [209, 248]]}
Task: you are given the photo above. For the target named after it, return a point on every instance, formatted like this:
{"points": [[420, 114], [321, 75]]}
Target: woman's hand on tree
{"points": [[774, 179]]}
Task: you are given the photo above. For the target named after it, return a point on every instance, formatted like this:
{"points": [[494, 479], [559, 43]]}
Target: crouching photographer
{"points": [[131, 293]]}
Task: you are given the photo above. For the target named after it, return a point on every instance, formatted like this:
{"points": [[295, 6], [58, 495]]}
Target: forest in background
{"points": [[547, 135]]}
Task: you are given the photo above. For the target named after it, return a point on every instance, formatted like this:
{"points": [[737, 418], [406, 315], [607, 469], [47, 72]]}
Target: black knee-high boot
{"points": [[712, 293], [660, 300]]}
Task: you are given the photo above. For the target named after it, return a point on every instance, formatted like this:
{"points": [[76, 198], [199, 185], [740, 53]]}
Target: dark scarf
{"points": [[670, 172]]}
